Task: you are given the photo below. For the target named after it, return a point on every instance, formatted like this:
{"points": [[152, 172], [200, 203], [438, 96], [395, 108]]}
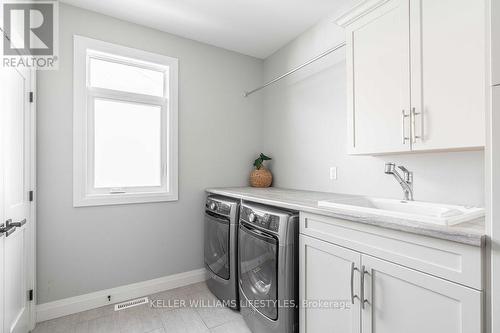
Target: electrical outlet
{"points": [[333, 173]]}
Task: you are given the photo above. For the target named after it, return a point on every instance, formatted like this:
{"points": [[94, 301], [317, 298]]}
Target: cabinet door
{"points": [[329, 277], [448, 61], [378, 80], [400, 299]]}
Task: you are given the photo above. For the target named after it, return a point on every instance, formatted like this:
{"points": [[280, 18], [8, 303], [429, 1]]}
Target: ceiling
{"points": [[254, 27]]}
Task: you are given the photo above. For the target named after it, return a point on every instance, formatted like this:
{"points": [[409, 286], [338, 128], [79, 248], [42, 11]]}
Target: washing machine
{"points": [[221, 236], [268, 268]]}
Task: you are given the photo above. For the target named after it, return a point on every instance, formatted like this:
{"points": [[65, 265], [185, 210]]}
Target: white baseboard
{"points": [[67, 306]]}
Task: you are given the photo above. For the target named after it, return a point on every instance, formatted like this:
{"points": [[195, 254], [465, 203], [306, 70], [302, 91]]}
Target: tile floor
{"points": [[179, 312]]}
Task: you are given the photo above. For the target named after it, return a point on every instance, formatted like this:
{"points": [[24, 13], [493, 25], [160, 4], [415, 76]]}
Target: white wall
{"points": [[81, 250], [493, 178], [305, 133]]}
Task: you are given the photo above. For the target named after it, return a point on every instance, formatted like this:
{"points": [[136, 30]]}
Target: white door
{"points": [[329, 287], [400, 299], [16, 130], [448, 62], [2, 238], [378, 62], [2, 203]]}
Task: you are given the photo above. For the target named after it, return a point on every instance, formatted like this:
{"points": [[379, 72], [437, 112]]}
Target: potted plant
{"points": [[260, 176]]}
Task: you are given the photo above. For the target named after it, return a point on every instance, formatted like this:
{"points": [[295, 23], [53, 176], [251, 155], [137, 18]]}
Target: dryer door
{"points": [[259, 269], [217, 244]]}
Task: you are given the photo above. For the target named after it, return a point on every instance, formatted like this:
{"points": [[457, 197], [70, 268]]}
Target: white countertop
{"points": [[471, 233]]}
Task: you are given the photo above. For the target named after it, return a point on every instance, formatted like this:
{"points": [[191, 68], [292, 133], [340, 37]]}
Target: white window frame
{"points": [[84, 192]]}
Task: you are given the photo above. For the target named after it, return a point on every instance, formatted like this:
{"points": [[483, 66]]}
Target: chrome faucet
{"points": [[406, 181]]}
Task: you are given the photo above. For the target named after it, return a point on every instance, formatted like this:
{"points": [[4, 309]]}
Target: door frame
{"points": [[32, 232]]}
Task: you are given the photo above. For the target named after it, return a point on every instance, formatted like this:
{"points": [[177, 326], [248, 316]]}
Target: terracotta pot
{"points": [[261, 178]]}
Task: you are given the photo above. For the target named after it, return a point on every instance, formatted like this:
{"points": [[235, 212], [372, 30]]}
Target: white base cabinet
{"points": [[399, 299], [326, 271], [350, 290]]}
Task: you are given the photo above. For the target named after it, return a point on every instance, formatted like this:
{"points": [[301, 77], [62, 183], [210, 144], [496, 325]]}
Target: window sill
{"points": [[122, 199]]}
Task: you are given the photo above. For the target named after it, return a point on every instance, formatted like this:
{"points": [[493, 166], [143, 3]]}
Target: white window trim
{"points": [[83, 192]]}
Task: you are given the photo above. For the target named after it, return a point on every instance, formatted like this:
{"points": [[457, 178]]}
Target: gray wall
{"points": [[305, 133], [300, 122], [81, 250]]}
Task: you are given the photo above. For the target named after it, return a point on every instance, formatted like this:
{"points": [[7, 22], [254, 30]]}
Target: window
{"points": [[125, 125]]}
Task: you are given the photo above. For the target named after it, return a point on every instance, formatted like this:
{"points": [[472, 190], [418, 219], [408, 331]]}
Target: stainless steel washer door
{"points": [[217, 244], [258, 269]]}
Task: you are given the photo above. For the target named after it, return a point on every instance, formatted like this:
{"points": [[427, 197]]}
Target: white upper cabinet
{"points": [[448, 71], [416, 75], [379, 88]]}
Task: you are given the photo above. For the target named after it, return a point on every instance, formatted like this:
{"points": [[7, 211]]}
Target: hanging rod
{"points": [[327, 52]]}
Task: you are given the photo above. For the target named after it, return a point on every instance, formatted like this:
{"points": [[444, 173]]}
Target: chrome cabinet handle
{"points": [[403, 117], [413, 116], [352, 283], [363, 300], [19, 224]]}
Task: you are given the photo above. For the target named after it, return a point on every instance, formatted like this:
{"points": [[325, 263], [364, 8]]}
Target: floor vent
{"points": [[132, 303]]}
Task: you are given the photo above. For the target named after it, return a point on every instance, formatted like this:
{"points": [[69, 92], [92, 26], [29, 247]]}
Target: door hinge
{"points": [[31, 97], [30, 295], [31, 195]]}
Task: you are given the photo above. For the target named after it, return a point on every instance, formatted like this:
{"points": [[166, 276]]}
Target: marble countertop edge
{"points": [[470, 233]]}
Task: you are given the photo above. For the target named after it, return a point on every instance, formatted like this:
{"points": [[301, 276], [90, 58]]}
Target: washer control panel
{"points": [[263, 220]]}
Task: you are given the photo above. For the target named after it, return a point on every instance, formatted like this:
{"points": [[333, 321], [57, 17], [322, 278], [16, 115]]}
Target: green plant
{"points": [[258, 162]]}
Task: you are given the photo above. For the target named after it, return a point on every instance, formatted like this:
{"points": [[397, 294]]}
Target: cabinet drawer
{"points": [[456, 262]]}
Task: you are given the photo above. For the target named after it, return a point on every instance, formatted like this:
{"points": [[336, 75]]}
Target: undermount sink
{"points": [[425, 212]]}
